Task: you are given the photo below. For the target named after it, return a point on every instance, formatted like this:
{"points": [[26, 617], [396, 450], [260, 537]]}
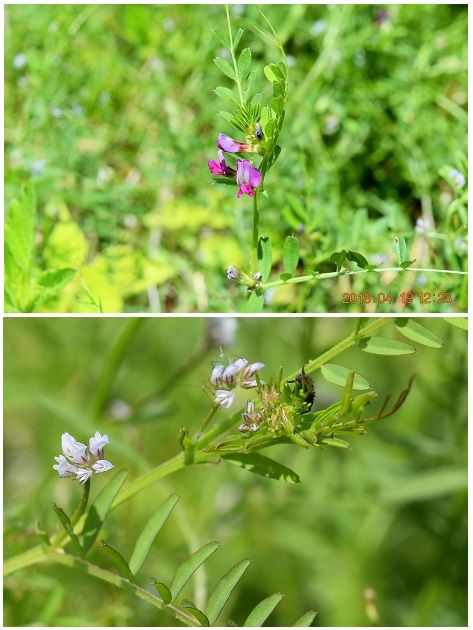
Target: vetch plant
{"points": [[245, 163], [279, 410]]}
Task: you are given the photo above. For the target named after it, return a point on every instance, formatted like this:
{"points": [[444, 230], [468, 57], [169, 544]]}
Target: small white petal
{"points": [[250, 384], [97, 443], [224, 398], [233, 369], [216, 374], [102, 465], [252, 369], [63, 467], [72, 449], [83, 474]]}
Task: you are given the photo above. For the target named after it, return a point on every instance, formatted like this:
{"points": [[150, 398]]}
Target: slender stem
{"points": [[209, 416], [61, 535], [335, 274], [255, 239], [232, 52]]}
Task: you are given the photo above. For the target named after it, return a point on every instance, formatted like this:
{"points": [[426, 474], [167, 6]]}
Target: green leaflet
{"points": [[459, 322], [338, 374], [224, 588], [163, 591], [255, 302], [411, 329], [261, 611], [20, 227], [305, 620], [98, 511], [189, 566], [225, 67], [290, 254], [400, 249], [67, 525], [244, 61], [198, 614], [262, 465], [265, 256], [386, 346], [117, 559], [150, 531]]}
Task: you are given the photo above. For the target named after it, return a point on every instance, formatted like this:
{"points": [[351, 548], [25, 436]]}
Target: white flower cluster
{"points": [[225, 378], [80, 461]]}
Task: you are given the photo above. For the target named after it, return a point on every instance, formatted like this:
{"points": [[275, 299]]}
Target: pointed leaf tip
{"points": [[261, 611], [189, 566], [224, 588]]}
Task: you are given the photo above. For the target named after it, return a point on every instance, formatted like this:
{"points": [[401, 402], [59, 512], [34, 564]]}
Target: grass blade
{"points": [[149, 533], [224, 588], [189, 566], [261, 611]]}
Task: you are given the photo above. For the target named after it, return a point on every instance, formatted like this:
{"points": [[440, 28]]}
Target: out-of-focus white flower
{"points": [[318, 27], [80, 461], [291, 61], [224, 398], [20, 61], [37, 167], [222, 330], [457, 177]]}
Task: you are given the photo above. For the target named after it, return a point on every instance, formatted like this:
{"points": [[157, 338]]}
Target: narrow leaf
{"points": [[225, 67], [290, 254], [117, 559], [244, 61], [383, 345], [188, 568], [357, 258], [224, 588], [163, 591], [20, 227], [255, 302], [149, 533], [66, 523], [224, 92], [261, 611], [265, 256], [198, 614], [459, 322], [336, 442], [262, 465], [399, 248], [415, 331], [338, 374], [97, 512], [236, 41], [305, 620]]}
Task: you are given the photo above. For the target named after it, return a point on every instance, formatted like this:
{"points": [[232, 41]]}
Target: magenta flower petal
{"points": [[255, 177], [228, 144], [245, 189], [216, 168]]}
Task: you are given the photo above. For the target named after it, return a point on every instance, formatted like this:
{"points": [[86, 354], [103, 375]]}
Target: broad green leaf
{"points": [[261, 611], [188, 568], [224, 92], [384, 345], [290, 254], [305, 620], [117, 559], [20, 227], [97, 512], [149, 533], [244, 62], [68, 528], [198, 614], [411, 329], [338, 374], [459, 322], [163, 591], [357, 258], [225, 67], [224, 588], [262, 465], [236, 41], [265, 256], [399, 248], [255, 302], [426, 485]]}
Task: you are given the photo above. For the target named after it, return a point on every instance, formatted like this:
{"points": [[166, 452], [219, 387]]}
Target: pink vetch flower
{"points": [[220, 167], [248, 178], [229, 145]]}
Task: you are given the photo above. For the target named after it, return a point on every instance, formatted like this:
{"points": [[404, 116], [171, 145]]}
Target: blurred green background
{"points": [[390, 515], [110, 110]]}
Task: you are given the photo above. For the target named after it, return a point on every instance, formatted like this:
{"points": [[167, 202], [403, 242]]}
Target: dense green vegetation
{"points": [[111, 114], [389, 515]]}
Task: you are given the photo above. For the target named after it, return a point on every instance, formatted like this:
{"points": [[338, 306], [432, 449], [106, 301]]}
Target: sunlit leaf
{"points": [[290, 254], [305, 620], [187, 568], [20, 226], [262, 465], [261, 611], [459, 322], [244, 61], [225, 67], [411, 329], [338, 374], [384, 345]]}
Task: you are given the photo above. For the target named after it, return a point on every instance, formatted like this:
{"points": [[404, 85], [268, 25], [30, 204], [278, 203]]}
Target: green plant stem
{"points": [[60, 536], [232, 52], [255, 239], [209, 416], [335, 274], [111, 366]]}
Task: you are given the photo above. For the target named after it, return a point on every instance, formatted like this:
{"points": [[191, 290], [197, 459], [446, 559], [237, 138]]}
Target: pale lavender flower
{"points": [[81, 461], [225, 378], [229, 145], [20, 61], [233, 273], [224, 398]]}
